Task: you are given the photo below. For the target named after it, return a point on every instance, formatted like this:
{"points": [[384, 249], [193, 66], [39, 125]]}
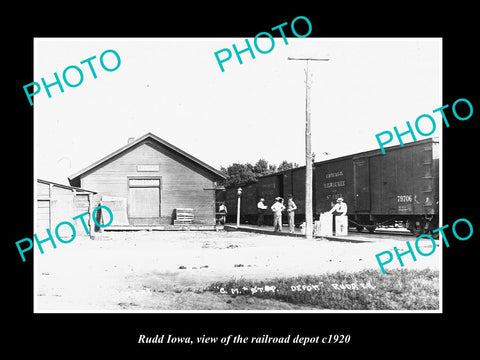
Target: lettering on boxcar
{"points": [[333, 174], [334, 184], [404, 198], [405, 202], [334, 197]]}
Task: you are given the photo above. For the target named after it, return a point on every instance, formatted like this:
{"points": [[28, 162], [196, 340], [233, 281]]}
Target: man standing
{"points": [[340, 208], [291, 207], [277, 209], [260, 211], [223, 213]]}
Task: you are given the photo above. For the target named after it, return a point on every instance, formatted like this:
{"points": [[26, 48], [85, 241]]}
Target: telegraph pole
{"points": [[308, 151]]}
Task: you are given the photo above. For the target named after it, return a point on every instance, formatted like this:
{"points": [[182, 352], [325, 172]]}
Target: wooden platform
{"points": [[353, 236], [189, 227]]}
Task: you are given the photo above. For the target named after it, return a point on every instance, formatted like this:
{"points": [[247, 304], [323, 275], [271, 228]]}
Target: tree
{"points": [[239, 174], [285, 165], [262, 167]]}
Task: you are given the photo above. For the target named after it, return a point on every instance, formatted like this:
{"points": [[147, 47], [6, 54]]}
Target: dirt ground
{"points": [[152, 271]]}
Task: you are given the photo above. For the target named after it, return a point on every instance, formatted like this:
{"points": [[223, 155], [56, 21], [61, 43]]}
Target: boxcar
{"points": [[249, 203], [294, 184], [333, 179], [402, 185], [268, 187], [231, 203], [298, 192]]}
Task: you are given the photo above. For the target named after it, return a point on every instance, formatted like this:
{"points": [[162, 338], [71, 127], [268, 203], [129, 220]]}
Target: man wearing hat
{"points": [[277, 209], [291, 207], [340, 208], [261, 211]]}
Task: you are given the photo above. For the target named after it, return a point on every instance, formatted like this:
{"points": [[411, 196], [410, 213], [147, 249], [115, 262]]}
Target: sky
{"points": [[174, 88]]}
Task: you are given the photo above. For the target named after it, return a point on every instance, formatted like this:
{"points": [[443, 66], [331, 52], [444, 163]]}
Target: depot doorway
{"points": [[144, 201]]}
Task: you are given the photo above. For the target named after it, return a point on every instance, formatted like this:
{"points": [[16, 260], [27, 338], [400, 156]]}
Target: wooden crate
{"points": [[183, 216]]}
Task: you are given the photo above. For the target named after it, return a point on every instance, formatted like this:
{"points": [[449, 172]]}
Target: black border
{"points": [[116, 333]]}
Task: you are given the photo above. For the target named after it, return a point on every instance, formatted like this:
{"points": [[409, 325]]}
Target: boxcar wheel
{"points": [[418, 229], [360, 228], [415, 231], [371, 228]]}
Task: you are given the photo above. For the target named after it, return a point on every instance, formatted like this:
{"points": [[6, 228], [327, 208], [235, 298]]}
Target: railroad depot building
{"points": [[151, 183]]}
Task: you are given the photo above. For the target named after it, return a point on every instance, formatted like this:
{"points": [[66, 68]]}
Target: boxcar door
{"points": [[361, 169]]}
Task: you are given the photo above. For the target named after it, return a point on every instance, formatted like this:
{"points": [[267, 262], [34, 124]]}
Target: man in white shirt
{"points": [[340, 208], [291, 207], [223, 213], [261, 211], [277, 209]]}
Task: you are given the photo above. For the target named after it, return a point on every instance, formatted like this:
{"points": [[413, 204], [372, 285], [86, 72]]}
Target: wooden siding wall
{"points": [[56, 204], [182, 183], [410, 174], [43, 208]]}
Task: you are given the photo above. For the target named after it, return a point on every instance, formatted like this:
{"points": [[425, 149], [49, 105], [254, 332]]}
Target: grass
{"points": [[400, 289]]}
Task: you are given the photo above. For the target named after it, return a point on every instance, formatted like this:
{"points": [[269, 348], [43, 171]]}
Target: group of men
{"points": [[277, 209], [340, 208]]}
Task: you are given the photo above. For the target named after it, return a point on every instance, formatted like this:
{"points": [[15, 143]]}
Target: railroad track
{"points": [[382, 232], [388, 232]]}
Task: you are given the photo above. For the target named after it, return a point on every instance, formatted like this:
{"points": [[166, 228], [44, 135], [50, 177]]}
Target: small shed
{"points": [[149, 180], [57, 203]]}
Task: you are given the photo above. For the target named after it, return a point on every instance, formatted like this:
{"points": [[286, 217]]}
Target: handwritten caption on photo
{"points": [[244, 290]]}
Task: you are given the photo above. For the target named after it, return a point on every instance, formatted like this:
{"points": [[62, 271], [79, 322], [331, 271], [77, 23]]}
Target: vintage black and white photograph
{"points": [[275, 174]]}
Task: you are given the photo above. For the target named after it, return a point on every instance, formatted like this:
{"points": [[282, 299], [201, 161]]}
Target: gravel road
{"points": [[152, 271]]}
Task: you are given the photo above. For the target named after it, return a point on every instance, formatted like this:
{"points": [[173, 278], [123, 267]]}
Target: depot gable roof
{"points": [[149, 136]]}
